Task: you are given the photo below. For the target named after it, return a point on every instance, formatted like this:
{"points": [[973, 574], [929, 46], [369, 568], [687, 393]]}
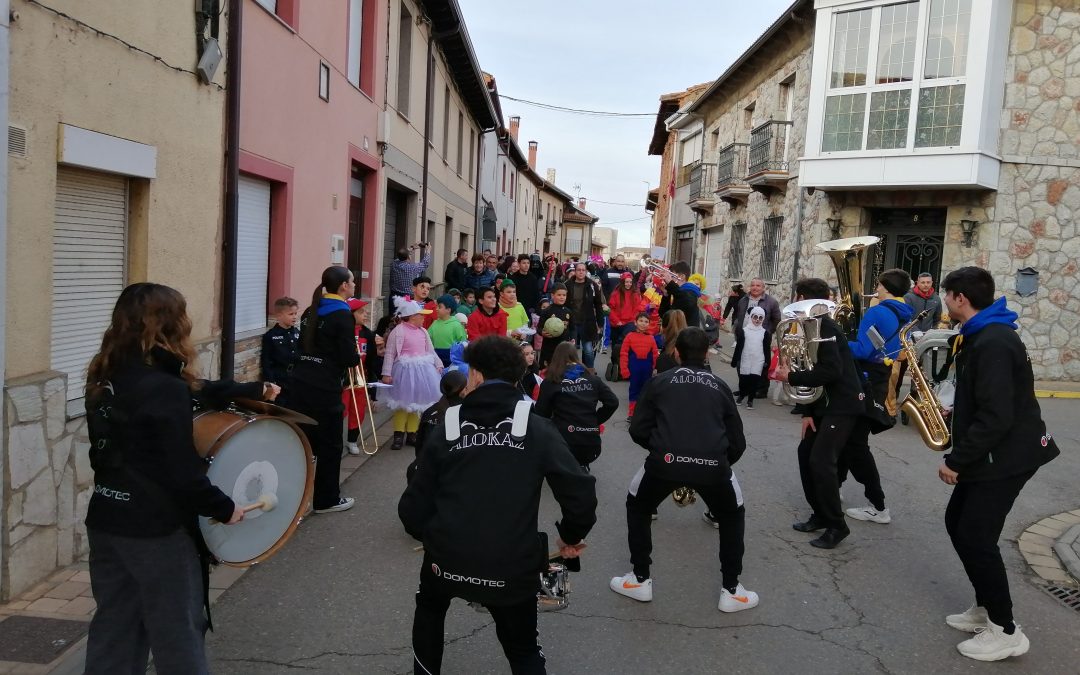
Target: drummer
{"points": [[149, 567]]}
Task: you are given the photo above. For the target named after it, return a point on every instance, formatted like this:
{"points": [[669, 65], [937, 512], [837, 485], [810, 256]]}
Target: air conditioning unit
{"points": [[337, 249]]}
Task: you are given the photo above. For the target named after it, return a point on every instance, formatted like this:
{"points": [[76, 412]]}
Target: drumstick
{"points": [[266, 502]]}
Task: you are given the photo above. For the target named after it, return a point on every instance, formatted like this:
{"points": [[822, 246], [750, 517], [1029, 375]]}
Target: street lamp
{"points": [[835, 225], [968, 226]]}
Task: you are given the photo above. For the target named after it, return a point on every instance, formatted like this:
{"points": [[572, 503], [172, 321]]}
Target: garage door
{"points": [[89, 256], [252, 254], [714, 261]]}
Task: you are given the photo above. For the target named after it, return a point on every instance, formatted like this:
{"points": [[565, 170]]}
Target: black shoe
{"points": [[410, 439], [749, 405], [812, 524], [629, 418], [738, 399], [399, 440], [830, 538]]}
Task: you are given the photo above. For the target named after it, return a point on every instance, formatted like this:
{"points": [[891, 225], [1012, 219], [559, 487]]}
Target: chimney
{"points": [[532, 154], [515, 124], [551, 176], [581, 203]]}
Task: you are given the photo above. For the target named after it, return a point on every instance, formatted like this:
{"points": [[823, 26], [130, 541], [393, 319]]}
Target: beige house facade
{"points": [[947, 129], [116, 178]]}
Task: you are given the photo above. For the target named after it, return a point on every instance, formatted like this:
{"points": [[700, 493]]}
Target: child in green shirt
{"points": [[468, 301], [446, 331]]}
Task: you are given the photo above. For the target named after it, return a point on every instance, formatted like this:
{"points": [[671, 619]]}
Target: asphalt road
{"points": [[339, 597]]}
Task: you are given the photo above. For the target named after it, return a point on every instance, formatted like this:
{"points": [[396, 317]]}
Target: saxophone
{"points": [[921, 405]]}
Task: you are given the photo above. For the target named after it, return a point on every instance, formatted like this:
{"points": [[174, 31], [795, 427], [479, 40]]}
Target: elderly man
{"points": [[403, 271], [923, 296]]}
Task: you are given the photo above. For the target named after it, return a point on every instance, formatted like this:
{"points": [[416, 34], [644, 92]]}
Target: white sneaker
{"points": [[708, 518], [738, 601], [992, 643], [970, 621], [869, 513], [354, 449], [629, 586], [344, 504]]}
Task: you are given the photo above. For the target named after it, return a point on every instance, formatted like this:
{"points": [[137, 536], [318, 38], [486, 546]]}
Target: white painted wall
{"points": [[4, 62], [492, 160]]}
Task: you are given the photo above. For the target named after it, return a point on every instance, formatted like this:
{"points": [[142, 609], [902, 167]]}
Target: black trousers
{"points": [[860, 462], [974, 519], [724, 501], [326, 408], [749, 387], [515, 626], [149, 595]]}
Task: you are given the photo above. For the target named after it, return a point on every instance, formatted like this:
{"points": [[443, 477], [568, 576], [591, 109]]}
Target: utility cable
{"points": [[576, 111]]}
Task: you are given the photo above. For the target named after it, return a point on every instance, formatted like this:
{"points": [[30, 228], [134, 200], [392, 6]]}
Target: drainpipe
{"points": [[477, 217], [4, 62], [429, 87], [232, 195]]}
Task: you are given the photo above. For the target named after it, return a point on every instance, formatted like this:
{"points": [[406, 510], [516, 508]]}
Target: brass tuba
{"points": [[921, 404], [849, 258], [799, 336]]}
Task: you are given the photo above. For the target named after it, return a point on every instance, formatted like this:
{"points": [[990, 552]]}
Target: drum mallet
{"points": [[266, 502]]}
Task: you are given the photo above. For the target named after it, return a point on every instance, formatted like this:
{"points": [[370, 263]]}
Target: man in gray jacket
{"points": [[923, 296]]}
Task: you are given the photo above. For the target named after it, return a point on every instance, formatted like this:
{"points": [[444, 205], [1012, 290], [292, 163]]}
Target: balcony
{"points": [[768, 164], [700, 198], [731, 185], [551, 228]]}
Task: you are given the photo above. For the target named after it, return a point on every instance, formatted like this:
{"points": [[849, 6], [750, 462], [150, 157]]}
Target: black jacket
{"points": [[572, 406], [686, 418], [455, 274], [474, 502], [149, 481], [835, 370], [766, 346], [334, 351], [677, 298], [279, 347], [765, 302], [528, 290], [592, 306], [997, 426]]}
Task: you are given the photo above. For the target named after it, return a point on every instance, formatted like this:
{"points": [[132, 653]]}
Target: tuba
{"points": [[921, 404], [849, 258], [800, 335]]}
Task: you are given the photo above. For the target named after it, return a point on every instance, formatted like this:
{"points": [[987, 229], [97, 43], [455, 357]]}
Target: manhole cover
{"points": [[31, 639], [1070, 597]]}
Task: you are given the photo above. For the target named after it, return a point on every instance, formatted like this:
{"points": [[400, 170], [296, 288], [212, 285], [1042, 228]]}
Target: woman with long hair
{"points": [[673, 321], [625, 303], [327, 350], [569, 396], [149, 565]]}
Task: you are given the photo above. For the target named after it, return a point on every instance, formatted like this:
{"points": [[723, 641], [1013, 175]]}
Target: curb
{"points": [[1047, 544], [1066, 548], [1047, 393]]}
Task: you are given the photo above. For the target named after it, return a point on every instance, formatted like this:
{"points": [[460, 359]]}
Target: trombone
{"points": [[358, 381]]}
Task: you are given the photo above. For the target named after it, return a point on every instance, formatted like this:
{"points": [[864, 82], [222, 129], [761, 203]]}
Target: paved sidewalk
{"points": [[66, 595]]}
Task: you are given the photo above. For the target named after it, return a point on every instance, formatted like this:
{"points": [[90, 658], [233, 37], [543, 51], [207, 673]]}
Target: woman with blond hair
{"points": [[149, 566], [673, 321]]}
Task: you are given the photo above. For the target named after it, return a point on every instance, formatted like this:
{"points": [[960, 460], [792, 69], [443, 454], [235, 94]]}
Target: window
{"points": [[356, 27], [512, 174], [735, 256], [472, 154], [270, 5], [324, 81], [573, 240], [504, 177], [874, 79], [748, 116], [714, 140], [404, 60], [690, 150], [770, 247], [460, 141], [446, 125]]}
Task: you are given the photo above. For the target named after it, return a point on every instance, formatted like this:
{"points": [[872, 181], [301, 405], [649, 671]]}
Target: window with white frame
{"points": [[356, 31], [574, 240], [897, 76]]}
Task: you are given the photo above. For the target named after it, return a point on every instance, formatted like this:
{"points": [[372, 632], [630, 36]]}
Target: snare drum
{"points": [[248, 456]]}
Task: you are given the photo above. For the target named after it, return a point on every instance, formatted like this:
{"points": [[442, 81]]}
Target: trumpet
{"points": [[357, 380], [655, 267]]}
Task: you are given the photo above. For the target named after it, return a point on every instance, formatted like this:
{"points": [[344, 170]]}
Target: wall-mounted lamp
{"points": [[835, 225], [968, 227]]}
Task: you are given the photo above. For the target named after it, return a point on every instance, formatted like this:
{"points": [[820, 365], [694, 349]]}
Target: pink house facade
{"points": [[312, 82]]}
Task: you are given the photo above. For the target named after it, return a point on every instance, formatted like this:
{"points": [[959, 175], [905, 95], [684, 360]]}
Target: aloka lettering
{"points": [[488, 439]]}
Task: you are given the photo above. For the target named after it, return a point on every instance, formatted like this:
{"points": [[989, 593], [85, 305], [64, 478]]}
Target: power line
{"points": [[600, 201], [576, 111], [602, 223]]}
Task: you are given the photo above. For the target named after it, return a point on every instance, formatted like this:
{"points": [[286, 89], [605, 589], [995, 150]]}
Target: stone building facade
{"points": [[1003, 195]]}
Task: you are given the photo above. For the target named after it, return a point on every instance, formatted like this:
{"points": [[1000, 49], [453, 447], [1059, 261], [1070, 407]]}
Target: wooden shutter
{"points": [[252, 255], [89, 256]]}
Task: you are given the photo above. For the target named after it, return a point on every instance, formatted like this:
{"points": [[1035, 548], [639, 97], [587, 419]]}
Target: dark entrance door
{"points": [[355, 257], [911, 239], [396, 231], [684, 245]]}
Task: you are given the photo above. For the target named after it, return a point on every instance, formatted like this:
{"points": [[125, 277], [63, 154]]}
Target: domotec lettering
{"points": [[461, 578], [679, 459]]}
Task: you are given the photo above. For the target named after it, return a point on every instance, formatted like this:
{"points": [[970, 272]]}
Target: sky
{"points": [[606, 55]]}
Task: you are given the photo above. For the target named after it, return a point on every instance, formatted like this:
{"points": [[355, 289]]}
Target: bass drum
{"points": [[250, 456]]}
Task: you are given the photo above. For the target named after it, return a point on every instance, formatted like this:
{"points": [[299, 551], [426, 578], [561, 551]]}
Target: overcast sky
{"points": [[608, 55]]}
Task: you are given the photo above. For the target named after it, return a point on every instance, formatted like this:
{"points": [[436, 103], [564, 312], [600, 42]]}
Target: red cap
{"points": [[626, 275], [356, 303]]}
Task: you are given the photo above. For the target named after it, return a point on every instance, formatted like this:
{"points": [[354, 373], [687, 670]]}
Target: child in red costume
{"points": [[638, 358]]}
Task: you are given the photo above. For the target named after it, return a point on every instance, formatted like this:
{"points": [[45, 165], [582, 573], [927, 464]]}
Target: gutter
{"points": [[428, 95], [230, 234]]}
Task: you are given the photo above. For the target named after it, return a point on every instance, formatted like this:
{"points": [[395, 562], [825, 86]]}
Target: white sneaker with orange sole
{"points": [[629, 586]]}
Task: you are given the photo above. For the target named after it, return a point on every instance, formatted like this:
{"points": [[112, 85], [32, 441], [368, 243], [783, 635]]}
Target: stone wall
{"points": [[50, 479], [246, 365]]}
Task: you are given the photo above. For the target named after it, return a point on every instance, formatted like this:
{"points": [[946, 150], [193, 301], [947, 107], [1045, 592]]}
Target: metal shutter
{"points": [[252, 254], [89, 256], [714, 261]]}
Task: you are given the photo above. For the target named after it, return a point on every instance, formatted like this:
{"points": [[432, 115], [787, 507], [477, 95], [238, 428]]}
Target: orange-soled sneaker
{"points": [[738, 601], [629, 586]]}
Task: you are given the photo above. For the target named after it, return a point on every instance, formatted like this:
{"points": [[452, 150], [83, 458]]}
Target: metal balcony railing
{"points": [[551, 228], [768, 147], [683, 177], [701, 182], [731, 165]]}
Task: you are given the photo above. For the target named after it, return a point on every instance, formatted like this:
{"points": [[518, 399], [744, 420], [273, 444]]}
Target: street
{"points": [[338, 598]]}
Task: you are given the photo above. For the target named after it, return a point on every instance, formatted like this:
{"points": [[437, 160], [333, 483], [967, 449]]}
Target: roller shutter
{"points": [[252, 255], [714, 260]]}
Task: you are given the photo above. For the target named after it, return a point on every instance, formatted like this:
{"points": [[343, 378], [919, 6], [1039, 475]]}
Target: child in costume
{"points": [[638, 358], [750, 355], [412, 367], [446, 330]]}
